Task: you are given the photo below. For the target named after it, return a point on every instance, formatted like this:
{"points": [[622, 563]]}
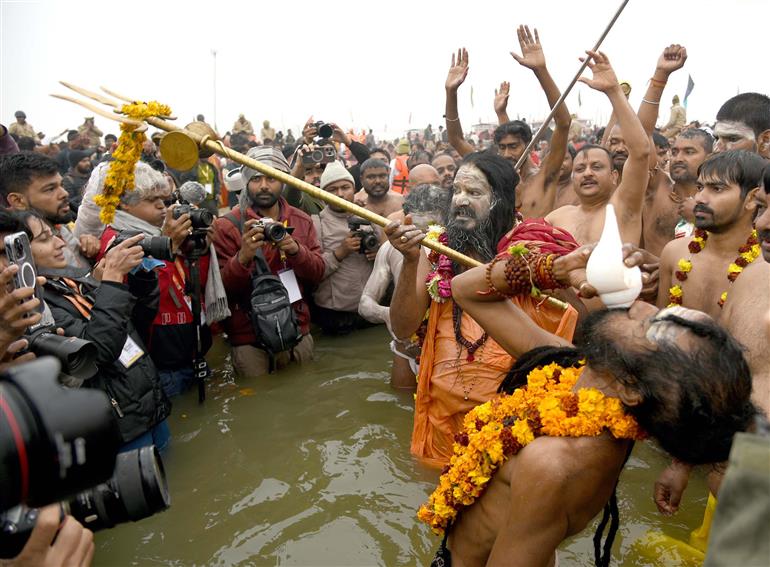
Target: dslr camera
{"points": [[159, 247], [195, 245], [274, 230], [323, 130], [369, 241], [75, 355], [58, 444]]}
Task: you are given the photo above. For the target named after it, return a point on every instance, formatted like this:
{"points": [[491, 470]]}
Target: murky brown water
{"points": [[312, 467]]}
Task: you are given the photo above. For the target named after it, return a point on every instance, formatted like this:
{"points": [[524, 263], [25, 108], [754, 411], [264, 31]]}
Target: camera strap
{"points": [[80, 303]]}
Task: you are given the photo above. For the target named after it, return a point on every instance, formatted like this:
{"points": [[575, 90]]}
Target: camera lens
{"points": [[369, 243], [76, 355], [201, 218], [159, 247], [325, 131], [275, 232], [137, 490]]}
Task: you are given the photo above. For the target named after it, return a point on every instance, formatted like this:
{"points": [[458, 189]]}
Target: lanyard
{"points": [[83, 306]]}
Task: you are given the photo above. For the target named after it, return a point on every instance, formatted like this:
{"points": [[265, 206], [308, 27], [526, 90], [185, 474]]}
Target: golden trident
{"points": [[180, 149]]}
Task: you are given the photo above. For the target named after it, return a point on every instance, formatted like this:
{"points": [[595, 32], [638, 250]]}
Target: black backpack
{"points": [[272, 316]]}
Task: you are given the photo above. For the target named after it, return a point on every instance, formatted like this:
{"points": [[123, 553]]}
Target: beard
{"points": [[61, 218], [476, 239], [263, 200]]}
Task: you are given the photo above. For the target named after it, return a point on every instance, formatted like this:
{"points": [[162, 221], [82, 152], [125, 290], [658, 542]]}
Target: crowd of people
{"points": [[271, 265]]}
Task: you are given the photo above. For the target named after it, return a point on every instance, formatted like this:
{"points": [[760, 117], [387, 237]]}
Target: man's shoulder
{"points": [[674, 247], [294, 215]]}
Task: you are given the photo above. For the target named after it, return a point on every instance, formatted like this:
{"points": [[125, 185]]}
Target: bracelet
{"points": [[652, 102], [518, 275], [451, 119], [657, 83], [491, 289]]}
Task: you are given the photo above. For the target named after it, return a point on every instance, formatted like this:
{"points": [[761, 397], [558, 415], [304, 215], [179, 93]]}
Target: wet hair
{"points": [[18, 170], [503, 180], [736, 166], [373, 163], [692, 401], [594, 147], [516, 128], [426, 198], [706, 139], [753, 109], [660, 140]]}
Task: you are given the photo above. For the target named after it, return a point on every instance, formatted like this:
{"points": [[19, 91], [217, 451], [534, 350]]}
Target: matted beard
{"points": [[474, 240]]}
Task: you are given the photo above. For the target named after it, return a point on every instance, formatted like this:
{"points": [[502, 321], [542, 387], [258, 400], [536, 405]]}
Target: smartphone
{"points": [[19, 252]]}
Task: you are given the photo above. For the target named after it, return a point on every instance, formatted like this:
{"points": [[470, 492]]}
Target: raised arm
{"points": [[533, 58], [457, 73], [672, 59], [501, 102], [629, 196]]}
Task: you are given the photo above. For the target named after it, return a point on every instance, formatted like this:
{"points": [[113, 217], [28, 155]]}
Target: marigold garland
{"points": [[501, 427], [439, 280], [120, 175], [746, 255]]}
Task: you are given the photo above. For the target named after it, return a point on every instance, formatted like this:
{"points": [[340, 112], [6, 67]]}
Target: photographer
{"points": [[171, 337], [349, 246], [237, 238], [107, 314]]}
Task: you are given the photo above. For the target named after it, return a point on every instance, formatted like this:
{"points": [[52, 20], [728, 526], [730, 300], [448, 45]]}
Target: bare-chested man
{"points": [[565, 190], [662, 365], [377, 196], [537, 190], [724, 208], [743, 123], [594, 178]]}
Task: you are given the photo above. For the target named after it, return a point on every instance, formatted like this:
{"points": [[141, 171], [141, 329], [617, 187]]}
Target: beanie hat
{"points": [[267, 155], [335, 171], [403, 147], [74, 156], [19, 114]]}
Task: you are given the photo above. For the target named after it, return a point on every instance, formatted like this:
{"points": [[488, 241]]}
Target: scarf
{"points": [[214, 296]]}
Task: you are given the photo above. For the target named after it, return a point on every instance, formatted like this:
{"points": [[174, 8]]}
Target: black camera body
{"points": [[369, 240], [201, 218], [274, 231], [323, 129], [159, 247], [320, 155]]}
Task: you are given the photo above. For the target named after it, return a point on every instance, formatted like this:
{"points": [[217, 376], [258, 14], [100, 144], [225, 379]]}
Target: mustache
{"points": [[700, 208], [467, 211]]}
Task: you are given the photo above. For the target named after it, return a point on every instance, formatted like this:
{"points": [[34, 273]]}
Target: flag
{"points": [[471, 96], [690, 87], [580, 101]]}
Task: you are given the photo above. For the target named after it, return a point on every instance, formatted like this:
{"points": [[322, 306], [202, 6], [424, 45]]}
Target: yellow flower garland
{"points": [[501, 427], [120, 175]]}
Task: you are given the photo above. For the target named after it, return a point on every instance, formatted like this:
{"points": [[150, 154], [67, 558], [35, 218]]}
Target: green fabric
{"points": [[740, 534]]}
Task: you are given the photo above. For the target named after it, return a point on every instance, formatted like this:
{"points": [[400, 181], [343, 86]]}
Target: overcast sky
{"points": [[361, 64]]}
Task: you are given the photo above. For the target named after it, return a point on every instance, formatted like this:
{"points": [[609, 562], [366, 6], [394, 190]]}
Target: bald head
{"points": [[423, 173]]}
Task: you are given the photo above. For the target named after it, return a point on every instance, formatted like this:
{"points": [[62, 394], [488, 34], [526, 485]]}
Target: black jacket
{"points": [[135, 392]]}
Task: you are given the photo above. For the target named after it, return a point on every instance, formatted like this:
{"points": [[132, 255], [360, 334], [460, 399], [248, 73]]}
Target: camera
{"points": [[137, 490], [75, 355], [369, 240], [274, 231], [54, 442], [320, 155], [159, 247], [323, 130], [201, 218]]}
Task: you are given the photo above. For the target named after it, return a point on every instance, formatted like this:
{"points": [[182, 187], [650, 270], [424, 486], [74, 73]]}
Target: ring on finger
{"points": [[253, 238], [404, 238]]}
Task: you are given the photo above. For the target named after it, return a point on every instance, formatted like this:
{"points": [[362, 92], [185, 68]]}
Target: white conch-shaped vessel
{"points": [[617, 284]]}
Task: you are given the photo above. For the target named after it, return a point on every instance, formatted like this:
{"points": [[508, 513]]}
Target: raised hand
{"points": [[532, 55], [501, 97], [672, 59], [458, 70], [604, 78]]}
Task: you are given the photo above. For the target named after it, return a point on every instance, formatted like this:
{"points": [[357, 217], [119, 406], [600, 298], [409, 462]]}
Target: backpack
{"points": [[272, 315]]}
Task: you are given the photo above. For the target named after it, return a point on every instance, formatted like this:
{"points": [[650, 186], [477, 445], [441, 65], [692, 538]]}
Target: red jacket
{"points": [[308, 266]]}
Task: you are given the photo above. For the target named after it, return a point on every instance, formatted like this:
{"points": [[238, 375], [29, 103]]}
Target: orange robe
{"points": [[445, 379]]}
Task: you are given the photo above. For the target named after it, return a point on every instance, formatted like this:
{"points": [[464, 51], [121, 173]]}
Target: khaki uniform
{"points": [[22, 130]]}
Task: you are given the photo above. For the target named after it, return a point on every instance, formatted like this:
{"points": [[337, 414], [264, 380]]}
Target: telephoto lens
{"points": [[76, 356], [137, 490], [324, 130], [54, 442], [159, 247]]}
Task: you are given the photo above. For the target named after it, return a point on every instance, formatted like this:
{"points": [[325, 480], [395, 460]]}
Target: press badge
{"points": [[289, 281], [131, 353], [209, 188]]}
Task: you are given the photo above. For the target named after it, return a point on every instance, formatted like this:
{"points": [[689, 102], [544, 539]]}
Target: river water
{"points": [[311, 467]]}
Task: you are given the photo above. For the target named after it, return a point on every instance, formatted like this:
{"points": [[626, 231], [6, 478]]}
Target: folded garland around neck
{"points": [[501, 427]]}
